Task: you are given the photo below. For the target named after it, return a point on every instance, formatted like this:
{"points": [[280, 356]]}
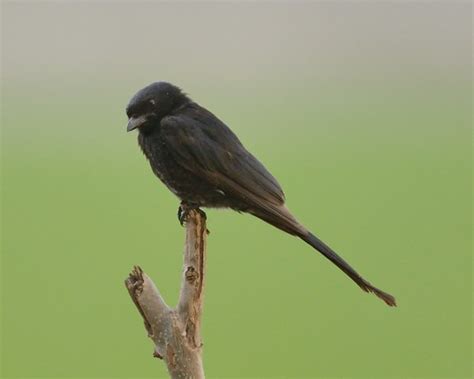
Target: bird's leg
{"points": [[185, 208], [181, 214]]}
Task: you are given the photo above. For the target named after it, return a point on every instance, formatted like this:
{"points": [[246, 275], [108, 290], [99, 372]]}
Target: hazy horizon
{"points": [[361, 110]]}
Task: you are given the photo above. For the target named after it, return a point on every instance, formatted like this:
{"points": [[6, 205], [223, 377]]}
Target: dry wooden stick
{"points": [[176, 332]]}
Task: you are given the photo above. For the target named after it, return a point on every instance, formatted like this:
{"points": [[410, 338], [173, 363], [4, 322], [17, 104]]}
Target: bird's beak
{"points": [[136, 122]]}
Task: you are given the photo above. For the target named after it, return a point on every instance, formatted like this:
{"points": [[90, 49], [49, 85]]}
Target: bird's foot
{"points": [[181, 215], [185, 208]]}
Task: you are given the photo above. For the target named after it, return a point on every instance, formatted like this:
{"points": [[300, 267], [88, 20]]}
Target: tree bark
{"points": [[176, 332]]}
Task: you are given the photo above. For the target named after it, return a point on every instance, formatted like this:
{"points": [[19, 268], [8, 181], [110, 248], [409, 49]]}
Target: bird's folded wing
{"points": [[207, 148]]}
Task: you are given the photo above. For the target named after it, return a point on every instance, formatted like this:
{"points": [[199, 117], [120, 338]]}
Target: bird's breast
{"points": [[186, 185], [161, 161]]}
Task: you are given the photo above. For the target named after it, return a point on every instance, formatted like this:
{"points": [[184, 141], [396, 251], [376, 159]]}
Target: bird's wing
{"points": [[205, 146]]}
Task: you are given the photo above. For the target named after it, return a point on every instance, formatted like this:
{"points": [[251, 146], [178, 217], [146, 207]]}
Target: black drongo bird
{"points": [[204, 164]]}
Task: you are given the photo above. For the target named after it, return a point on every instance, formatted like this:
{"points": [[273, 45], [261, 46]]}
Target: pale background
{"points": [[362, 110]]}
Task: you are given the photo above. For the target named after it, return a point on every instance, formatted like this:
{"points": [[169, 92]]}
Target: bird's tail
{"points": [[280, 217], [330, 254]]}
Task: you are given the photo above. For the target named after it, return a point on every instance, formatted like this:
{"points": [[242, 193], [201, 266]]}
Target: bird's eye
{"points": [[152, 102]]}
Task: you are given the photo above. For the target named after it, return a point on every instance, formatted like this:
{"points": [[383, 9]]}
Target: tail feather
{"points": [[330, 254], [280, 217]]}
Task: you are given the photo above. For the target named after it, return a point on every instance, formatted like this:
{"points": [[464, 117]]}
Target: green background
{"points": [[361, 110]]}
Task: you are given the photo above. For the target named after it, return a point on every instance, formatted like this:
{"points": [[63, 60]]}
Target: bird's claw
{"points": [[184, 209], [181, 215]]}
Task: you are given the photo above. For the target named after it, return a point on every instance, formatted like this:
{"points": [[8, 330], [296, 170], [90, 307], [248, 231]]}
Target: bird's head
{"points": [[152, 103]]}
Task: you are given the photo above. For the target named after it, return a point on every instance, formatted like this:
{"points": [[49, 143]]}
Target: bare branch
{"points": [[176, 332], [192, 285]]}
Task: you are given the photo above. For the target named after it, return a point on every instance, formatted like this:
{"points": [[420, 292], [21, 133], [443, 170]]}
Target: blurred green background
{"points": [[362, 111]]}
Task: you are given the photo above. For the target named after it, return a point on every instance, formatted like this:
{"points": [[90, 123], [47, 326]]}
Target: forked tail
{"points": [[280, 217], [330, 254]]}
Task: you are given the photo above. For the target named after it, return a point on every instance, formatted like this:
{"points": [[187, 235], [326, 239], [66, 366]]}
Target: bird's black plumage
{"points": [[203, 163]]}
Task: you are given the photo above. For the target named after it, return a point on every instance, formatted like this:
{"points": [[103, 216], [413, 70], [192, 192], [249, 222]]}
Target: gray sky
{"points": [[233, 41]]}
